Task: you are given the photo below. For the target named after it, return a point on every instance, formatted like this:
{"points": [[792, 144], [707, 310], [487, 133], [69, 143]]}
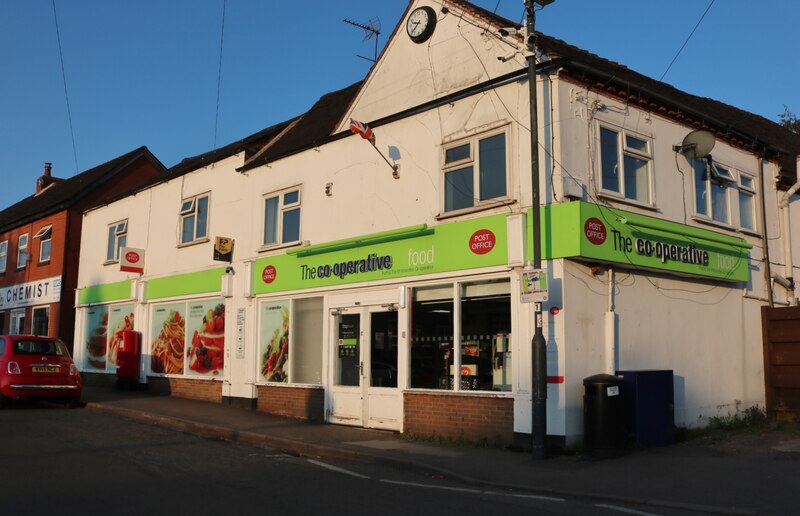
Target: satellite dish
{"points": [[696, 145]]}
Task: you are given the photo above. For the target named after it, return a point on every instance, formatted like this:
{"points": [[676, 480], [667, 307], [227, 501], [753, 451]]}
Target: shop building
{"points": [[386, 283], [40, 242]]}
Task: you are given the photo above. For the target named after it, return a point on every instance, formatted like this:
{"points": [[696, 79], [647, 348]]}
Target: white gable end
{"points": [[462, 51]]}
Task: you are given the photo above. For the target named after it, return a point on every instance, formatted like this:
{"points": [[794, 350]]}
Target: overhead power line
{"points": [[66, 95], [687, 40], [219, 72]]}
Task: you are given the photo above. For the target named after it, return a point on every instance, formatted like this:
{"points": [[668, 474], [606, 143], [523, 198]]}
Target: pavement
{"points": [[757, 477]]}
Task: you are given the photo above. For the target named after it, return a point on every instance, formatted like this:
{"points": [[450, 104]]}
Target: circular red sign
{"points": [[595, 230], [269, 273], [132, 256], [482, 241]]}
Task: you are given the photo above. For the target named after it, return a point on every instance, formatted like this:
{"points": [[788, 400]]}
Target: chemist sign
{"points": [[39, 292]]}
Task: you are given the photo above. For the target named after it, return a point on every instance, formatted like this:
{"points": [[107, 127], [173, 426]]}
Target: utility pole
{"points": [[538, 344]]}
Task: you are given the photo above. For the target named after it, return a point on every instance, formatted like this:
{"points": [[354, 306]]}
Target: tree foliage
{"points": [[789, 120]]}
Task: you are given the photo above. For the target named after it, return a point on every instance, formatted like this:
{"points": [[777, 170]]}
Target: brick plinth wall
{"points": [[473, 418], [196, 389], [307, 403]]}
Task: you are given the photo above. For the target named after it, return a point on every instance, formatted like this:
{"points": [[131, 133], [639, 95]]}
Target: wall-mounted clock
{"points": [[421, 23]]}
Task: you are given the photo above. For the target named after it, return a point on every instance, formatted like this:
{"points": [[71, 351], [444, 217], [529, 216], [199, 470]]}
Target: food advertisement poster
{"points": [[206, 326], [120, 317], [96, 338], [168, 347], [274, 342]]}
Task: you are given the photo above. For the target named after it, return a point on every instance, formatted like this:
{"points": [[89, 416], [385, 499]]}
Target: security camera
{"points": [[508, 57], [509, 31]]}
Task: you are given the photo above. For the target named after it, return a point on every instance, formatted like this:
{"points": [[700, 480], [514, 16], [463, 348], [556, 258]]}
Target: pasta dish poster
{"points": [[168, 333]]}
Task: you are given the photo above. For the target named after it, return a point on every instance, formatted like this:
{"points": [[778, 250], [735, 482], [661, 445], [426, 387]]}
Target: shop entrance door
{"points": [[364, 390]]}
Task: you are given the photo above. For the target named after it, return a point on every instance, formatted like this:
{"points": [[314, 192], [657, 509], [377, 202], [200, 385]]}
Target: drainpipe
{"points": [[765, 237], [783, 205], [611, 326]]}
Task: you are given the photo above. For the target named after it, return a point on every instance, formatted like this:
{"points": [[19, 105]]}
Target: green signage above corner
{"points": [[412, 251], [590, 231]]}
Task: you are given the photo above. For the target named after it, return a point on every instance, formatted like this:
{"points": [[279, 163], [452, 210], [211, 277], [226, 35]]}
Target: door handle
{"points": [[361, 368]]}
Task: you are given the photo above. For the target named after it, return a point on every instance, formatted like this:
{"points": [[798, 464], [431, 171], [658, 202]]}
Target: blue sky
{"points": [[144, 72]]}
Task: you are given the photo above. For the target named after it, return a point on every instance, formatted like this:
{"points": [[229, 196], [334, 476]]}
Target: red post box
{"points": [[128, 357]]}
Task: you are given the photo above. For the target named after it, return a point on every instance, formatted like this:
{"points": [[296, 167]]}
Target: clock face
{"points": [[420, 24]]}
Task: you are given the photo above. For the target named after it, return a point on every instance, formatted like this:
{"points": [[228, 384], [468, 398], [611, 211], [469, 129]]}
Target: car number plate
{"points": [[44, 369]]}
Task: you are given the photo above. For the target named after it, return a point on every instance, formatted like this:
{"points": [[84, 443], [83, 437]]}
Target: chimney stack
{"points": [[46, 179], [47, 168]]}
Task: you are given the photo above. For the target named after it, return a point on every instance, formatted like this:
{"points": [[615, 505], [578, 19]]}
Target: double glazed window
{"points": [[3, 258], [194, 219], [117, 238], [44, 235], [22, 251], [282, 217], [475, 172], [625, 166], [724, 195]]}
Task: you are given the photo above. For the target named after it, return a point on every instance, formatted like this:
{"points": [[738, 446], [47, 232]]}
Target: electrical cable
{"points": [[66, 95], [219, 71], [687, 40]]}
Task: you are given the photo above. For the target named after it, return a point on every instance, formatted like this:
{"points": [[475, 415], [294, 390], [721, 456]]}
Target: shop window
{"points": [[22, 251], [273, 339], [44, 235], [2, 323], [194, 219], [475, 171], [432, 334], [306, 342], [41, 321], [117, 239], [17, 326], [3, 256], [625, 166], [282, 217], [483, 333]]}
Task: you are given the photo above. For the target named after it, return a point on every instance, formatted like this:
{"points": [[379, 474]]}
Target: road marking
{"points": [[428, 486], [623, 509], [339, 470], [538, 497]]}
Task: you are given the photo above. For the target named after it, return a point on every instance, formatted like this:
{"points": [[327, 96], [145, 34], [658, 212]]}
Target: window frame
{"points": [[751, 192], [3, 258], [623, 150], [732, 183], [190, 207], [473, 160], [22, 250], [120, 229], [45, 236], [282, 209]]}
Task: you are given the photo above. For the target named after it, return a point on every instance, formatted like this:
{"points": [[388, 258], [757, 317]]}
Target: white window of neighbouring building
{"points": [[3, 257], [625, 166], [22, 251], [117, 238], [194, 219], [41, 321], [282, 217], [476, 316], [44, 236], [475, 171], [17, 326], [712, 191]]}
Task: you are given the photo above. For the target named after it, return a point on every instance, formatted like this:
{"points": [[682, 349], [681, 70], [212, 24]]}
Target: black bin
{"points": [[603, 416]]}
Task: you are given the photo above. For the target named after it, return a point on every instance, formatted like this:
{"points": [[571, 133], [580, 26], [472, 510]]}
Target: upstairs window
{"points": [[44, 235], [282, 217], [3, 259], [625, 166], [117, 238], [747, 202], [22, 251], [194, 219], [711, 191], [475, 172]]}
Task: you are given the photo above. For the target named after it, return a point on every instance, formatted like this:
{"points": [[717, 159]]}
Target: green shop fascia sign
{"points": [[590, 231], [411, 251]]}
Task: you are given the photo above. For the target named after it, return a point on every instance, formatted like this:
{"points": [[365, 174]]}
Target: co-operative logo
{"points": [[595, 231]]}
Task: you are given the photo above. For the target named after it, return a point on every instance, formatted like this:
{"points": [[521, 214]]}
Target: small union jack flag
{"points": [[362, 129]]}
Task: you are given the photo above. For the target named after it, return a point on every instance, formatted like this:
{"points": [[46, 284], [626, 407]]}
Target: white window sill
{"points": [[715, 223], [194, 242], [624, 200], [110, 262], [275, 247], [474, 209]]}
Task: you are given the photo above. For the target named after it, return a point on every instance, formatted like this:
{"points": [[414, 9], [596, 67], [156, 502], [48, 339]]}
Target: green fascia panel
{"points": [[186, 284], [584, 230], [107, 293], [455, 246]]}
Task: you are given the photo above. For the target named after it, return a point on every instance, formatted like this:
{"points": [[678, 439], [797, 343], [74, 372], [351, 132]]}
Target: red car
{"points": [[33, 366]]}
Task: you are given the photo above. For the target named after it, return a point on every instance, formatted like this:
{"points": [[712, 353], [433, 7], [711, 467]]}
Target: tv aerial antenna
{"points": [[372, 29]]}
